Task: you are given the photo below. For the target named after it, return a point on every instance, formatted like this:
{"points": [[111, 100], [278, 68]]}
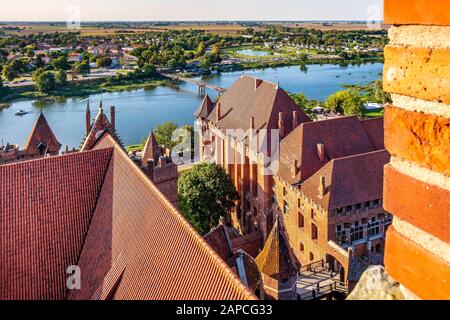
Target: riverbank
{"points": [[80, 89]]}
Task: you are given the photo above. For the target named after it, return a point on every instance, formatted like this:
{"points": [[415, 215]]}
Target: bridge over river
{"points": [[200, 84]]}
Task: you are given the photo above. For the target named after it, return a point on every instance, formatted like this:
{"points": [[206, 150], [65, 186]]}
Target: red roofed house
{"points": [[91, 225]]}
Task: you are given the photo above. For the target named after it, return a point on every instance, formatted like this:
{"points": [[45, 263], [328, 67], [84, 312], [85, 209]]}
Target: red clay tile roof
{"points": [[375, 129], [220, 241], [205, 108], [274, 260], [97, 210], [166, 258], [247, 269], [46, 208], [151, 149], [264, 102], [349, 180], [41, 132], [341, 137], [99, 127]]}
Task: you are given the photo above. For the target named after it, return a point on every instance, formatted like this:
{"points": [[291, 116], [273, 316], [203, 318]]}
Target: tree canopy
{"points": [[348, 102], [206, 193], [45, 81]]}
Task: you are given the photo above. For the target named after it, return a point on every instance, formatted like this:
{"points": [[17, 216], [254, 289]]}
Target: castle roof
{"points": [[100, 126], [349, 180], [205, 108], [98, 211], [250, 97], [274, 260], [41, 135], [151, 149], [340, 137]]}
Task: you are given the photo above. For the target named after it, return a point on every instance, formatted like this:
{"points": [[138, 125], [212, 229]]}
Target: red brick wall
{"points": [[417, 134]]}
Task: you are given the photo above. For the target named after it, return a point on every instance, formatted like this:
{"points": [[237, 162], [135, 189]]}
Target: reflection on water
{"points": [[139, 111]]}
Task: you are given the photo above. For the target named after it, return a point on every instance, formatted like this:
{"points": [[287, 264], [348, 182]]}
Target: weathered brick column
{"points": [[417, 134]]}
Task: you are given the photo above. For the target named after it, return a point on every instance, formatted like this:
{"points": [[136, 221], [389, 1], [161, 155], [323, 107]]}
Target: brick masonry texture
{"points": [[424, 205], [417, 269], [434, 12], [418, 137], [418, 72]]}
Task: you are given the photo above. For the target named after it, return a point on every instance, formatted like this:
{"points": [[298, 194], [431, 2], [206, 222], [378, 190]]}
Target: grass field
{"points": [[26, 29]]}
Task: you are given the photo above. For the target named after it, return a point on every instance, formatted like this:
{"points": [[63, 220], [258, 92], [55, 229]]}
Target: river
{"points": [[139, 111]]}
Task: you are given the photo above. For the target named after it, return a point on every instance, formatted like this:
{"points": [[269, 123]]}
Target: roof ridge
{"points": [[358, 155]]}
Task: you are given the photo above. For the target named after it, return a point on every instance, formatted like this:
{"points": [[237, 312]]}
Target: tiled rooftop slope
{"points": [[417, 135]]}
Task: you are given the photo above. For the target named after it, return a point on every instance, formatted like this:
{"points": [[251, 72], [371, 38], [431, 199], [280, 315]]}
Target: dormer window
{"points": [[42, 146]]}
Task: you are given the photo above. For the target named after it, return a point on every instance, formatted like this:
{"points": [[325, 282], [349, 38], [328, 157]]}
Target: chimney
{"points": [[321, 151], [258, 83], [113, 117], [295, 122], [88, 119], [281, 125], [294, 167], [163, 161], [218, 112], [322, 186], [252, 122]]}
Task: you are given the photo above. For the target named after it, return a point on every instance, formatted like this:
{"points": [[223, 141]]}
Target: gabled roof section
{"points": [[349, 180], [246, 268], [205, 108], [274, 260], [250, 97], [151, 149], [41, 134], [340, 137], [165, 257], [100, 126], [219, 240], [375, 130], [46, 208]]}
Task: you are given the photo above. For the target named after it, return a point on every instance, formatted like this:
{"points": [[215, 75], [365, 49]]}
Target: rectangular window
{"points": [[285, 207], [301, 220], [311, 256], [302, 247], [314, 232]]}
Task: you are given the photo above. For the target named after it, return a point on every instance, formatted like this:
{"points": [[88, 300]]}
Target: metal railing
{"points": [[314, 267], [321, 291]]}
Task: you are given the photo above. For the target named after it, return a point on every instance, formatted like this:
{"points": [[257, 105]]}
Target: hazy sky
{"points": [[149, 10]]}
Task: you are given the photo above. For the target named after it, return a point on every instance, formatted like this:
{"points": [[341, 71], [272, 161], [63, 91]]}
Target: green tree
{"points": [[334, 102], [380, 95], [206, 193], [163, 134], [103, 62], [201, 50], [9, 72], [61, 63], [45, 82], [83, 67], [353, 104], [60, 78]]}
